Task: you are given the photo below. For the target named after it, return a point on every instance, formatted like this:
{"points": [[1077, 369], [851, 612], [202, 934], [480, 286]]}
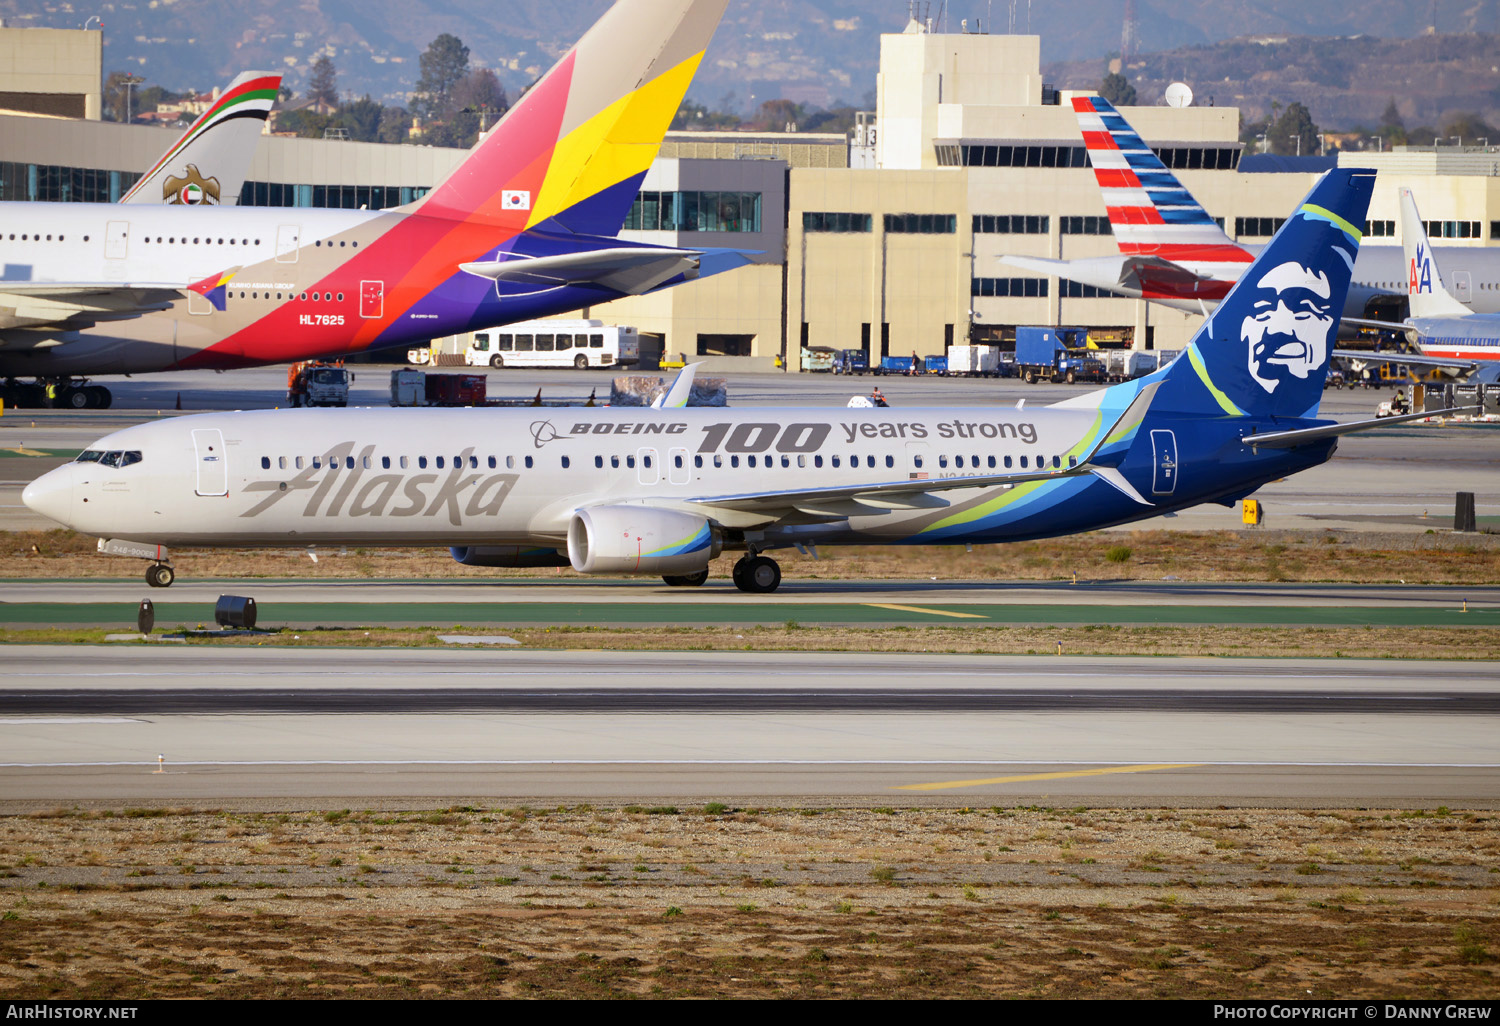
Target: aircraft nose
{"points": [[51, 495]]}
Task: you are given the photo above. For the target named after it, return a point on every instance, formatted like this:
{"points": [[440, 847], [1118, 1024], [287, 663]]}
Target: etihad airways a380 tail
{"points": [[523, 228]]}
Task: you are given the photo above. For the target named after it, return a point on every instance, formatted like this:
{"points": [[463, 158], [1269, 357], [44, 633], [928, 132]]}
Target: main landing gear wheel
{"points": [[497, 361], [581, 362], [696, 580], [159, 575], [758, 575]]}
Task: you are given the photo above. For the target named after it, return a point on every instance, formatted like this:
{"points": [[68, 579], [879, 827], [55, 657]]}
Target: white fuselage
{"points": [[480, 476]]}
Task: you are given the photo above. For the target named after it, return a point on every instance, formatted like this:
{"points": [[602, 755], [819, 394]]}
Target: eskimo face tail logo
{"points": [[1290, 324], [1419, 272], [192, 189]]}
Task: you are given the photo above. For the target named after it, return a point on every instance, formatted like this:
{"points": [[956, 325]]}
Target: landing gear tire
{"points": [[757, 575], [696, 580], [100, 398], [159, 575], [497, 361], [580, 362]]}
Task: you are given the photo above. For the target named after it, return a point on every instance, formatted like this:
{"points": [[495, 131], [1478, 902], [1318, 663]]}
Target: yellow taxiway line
{"points": [[1048, 776], [930, 612]]}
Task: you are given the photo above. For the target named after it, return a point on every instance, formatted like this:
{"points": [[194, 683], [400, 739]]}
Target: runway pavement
{"points": [[86, 724], [648, 602]]}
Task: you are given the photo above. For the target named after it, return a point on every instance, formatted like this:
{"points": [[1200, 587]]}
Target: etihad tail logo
{"points": [[191, 190]]}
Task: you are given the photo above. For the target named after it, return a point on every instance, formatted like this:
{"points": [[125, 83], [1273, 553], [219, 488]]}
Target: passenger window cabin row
{"points": [[718, 460]]}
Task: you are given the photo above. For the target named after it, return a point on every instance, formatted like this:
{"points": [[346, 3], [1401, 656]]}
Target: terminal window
{"points": [[1257, 227], [1069, 289], [1015, 288], [817, 221], [695, 211], [1381, 229], [1083, 225], [921, 224], [1012, 224], [1453, 229]]}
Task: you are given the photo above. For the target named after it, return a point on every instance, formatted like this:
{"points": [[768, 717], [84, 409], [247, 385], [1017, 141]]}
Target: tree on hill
{"points": [[778, 115], [1392, 125], [323, 87], [1116, 88], [1469, 127], [444, 64], [1293, 133]]}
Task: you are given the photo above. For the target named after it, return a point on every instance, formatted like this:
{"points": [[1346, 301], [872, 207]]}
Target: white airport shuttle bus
{"points": [[580, 344]]}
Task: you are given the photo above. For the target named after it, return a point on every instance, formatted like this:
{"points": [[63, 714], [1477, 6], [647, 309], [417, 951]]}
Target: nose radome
{"points": [[51, 495]]}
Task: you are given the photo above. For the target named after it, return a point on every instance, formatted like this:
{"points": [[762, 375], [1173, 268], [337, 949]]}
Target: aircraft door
{"points": [[288, 240], [213, 467], [198, 304], [1164, 456], [679, 466], [648, 464], [1463, 286], [372, 299], [117, 240]]}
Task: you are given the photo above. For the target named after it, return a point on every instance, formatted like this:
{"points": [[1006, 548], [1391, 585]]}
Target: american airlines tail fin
{"points": [[570, 155], [1150, 212], [1425, 292], [207, 165], [1264, 351]]}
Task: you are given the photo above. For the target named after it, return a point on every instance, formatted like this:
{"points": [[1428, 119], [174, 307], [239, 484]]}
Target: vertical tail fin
{"points": [[1150, 212], [1425, 291], [1264, 351], [209, 162], [573, 150]]}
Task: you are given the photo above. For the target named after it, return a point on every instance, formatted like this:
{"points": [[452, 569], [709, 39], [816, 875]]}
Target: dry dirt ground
{"points": [[714, 901], [1251, 555]]}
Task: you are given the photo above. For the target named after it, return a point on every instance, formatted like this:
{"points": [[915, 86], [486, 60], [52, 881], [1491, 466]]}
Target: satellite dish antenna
{"points": [[1179, 95]]}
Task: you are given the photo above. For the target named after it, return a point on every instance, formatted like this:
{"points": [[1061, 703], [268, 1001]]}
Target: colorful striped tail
{"points": [[570, 155], [1149, 210]]}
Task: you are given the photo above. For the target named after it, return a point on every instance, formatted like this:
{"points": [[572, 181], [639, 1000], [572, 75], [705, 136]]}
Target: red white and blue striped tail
{"points": [[1149, 210]]}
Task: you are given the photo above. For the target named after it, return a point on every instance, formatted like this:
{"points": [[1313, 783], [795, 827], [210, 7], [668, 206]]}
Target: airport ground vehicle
{"points": [[975, 361], [817, 360], [316, 383], [1049, 354], [851, 361], [424, 388], [580, 344]]}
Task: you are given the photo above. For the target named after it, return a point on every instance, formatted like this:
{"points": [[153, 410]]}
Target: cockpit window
{"points": [[111, 459], [89, 456], [120, 459], [130, 457]]}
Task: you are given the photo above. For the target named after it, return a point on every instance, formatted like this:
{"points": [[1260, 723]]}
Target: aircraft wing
{"points": [[28, 307], [750, 508], [1410, 359], [1305, 436], [631, 270]]}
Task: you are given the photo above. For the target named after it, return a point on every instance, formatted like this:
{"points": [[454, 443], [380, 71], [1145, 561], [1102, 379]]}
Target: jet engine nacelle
{"points": [[507, 556], [641, 540]]}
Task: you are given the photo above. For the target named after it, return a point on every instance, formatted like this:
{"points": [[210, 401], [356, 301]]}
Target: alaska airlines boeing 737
{"points": [[663, 491], [1172, 252], [523, 228]]}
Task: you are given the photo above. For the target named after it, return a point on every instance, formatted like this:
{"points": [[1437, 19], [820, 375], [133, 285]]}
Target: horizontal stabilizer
{"points": [[632, 271], [1306, 436], [1409, 359]]}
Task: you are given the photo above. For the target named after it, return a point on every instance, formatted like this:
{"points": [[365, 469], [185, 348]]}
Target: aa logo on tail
{"points": [[192, 189], [1419, 272]]}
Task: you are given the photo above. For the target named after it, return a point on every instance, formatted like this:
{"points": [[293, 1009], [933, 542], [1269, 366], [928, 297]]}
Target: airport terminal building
{"points": [[890, 241]]}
